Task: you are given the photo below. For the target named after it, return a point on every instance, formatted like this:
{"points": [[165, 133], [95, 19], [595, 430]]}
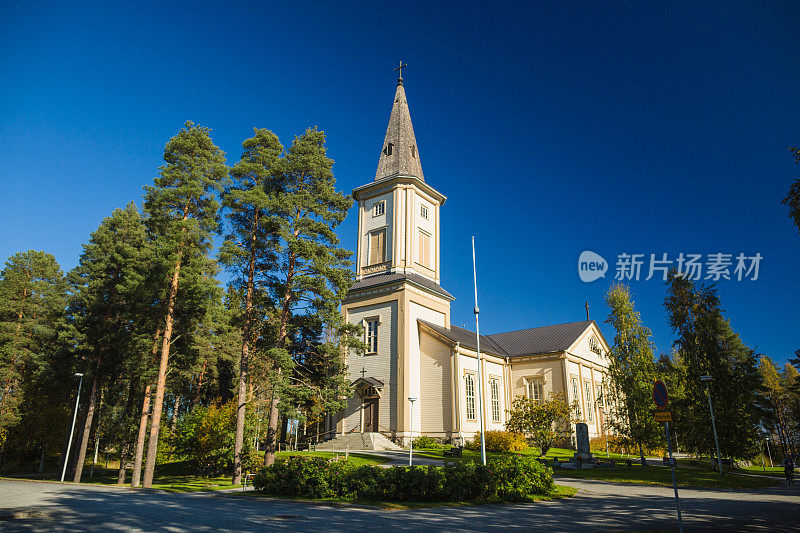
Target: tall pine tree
{"points": [[249, 248], [182, 209]]}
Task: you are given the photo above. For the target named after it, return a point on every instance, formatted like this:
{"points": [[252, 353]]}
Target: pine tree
{"points": [[32, 302], [249, 249], [104, 306], [632, 372], [792, 199], [314, 272], [182, 211]]}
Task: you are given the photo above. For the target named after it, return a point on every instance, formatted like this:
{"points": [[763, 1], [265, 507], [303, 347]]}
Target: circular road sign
{"points": [[660, 396]]}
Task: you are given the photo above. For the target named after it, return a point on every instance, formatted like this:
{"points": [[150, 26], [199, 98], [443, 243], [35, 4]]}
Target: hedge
{"points": [[503, 479]]}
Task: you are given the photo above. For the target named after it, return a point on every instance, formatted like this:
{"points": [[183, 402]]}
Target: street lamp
{"points": [[411, 423], [707, 380], [770, 454], [71, 431]]}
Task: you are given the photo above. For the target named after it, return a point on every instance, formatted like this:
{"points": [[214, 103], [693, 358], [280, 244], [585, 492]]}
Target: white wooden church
{"points": [[413, 351]]}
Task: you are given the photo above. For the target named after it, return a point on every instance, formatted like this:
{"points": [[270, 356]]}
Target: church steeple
{"points": [[399, 155]]}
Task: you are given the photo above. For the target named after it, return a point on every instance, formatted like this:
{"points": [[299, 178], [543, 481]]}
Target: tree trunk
{"points": [[123, 462], [41, 461], [241, 406], [86, 429], [155, 423], [137, 460], [272, 430]]}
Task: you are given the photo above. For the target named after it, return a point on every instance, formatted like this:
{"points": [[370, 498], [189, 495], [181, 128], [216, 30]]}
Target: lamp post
{"points": [[478, 355], [770, 454], [411, 430], [707, 380], [71, 431]]}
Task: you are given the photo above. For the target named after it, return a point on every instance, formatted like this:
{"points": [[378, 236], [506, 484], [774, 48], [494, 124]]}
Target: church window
{"points": [[535, 390], [594, 345], [389, 148], [372, 335], [494, 388], [589, 405], [469, 385], [601, 400], [377, 247], [576, 398], [378, 209], [424, 249], [423, 211]]}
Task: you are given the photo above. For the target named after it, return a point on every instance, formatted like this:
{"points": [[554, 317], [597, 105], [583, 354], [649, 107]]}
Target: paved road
{"points": [[598, 506]]}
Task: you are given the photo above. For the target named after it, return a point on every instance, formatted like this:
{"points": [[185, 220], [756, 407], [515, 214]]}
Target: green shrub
{"points": [[499, 441], [427, 442], [511, 478]]}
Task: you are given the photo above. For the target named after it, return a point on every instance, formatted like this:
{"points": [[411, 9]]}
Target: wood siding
{"points": [[436, 385]]}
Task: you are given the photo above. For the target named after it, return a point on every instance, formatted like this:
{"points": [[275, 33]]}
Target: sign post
{"points": [[661, 399]]}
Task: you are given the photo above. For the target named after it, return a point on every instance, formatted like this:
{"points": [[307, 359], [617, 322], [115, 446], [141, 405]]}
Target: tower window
{"points": [[372, 336], [413, 151], [378, 209], [494, 387], [423, 211], [389, 148], [469, 386], [424, 249], [377, 247]]}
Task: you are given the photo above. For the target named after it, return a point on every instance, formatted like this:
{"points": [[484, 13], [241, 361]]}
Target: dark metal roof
{"points": [[545, 339], [416, 279], [374, 382], [465, 338]]}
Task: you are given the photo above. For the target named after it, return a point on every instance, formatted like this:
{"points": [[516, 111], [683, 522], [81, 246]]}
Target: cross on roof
{"points": [[587, 310], [400, 69]]}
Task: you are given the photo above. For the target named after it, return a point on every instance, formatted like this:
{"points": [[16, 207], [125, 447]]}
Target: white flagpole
{"points": [[480, 362]]}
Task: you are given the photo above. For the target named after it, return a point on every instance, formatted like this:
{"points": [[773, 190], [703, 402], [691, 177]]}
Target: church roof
{"points": [[399, 153], [546, 339], [383, 279]]}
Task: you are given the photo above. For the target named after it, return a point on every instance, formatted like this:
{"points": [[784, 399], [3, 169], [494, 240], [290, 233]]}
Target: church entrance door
{"points": [[370, 415]]}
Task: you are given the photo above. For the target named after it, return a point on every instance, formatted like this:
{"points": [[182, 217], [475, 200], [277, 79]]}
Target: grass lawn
{"points": [[177, 476], [659, 475], [552, 453]]}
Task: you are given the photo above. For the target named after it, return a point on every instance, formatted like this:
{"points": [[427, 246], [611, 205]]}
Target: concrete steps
{"points": [[358, 441]]}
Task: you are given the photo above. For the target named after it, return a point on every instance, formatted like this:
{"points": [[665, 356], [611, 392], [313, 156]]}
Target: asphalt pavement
{"points": [[599, 506]]}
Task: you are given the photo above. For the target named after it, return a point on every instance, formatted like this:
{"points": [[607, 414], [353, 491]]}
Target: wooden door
{"points": [[370, 415]]}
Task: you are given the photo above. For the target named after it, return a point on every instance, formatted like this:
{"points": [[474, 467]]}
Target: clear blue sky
{"points": [[644, 127]]}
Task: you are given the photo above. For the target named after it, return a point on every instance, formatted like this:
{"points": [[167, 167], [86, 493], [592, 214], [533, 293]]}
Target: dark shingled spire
{"points": [[399, 155]]}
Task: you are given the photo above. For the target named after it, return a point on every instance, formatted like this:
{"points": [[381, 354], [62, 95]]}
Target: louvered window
{"points": [[377, 247], [424, 249]]}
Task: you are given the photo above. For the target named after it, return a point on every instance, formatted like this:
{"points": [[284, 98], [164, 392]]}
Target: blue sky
{"points": [[640, 127]]}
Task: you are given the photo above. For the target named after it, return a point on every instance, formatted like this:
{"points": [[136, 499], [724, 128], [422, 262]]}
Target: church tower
{"points": [[398, 272]]}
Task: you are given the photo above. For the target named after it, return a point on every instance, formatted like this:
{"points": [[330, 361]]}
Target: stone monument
{"points": [[583, 457]]}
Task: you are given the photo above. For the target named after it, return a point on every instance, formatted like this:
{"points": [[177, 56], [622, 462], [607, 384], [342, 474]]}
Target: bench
{"points": [[455, 451]]}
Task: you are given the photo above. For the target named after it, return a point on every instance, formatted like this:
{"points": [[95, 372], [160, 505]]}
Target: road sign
{"points": [[663, 416], [660, 396]]}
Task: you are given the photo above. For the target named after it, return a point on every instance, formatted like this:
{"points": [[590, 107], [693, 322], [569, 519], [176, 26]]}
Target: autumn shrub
{"points": [[205, 438], [511, 478], [499, 441]]}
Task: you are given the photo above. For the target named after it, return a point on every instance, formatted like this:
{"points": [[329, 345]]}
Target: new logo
{"points": [[591, 266]]}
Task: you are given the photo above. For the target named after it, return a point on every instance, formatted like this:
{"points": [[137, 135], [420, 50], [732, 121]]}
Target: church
{"points": [[413, 351]]}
